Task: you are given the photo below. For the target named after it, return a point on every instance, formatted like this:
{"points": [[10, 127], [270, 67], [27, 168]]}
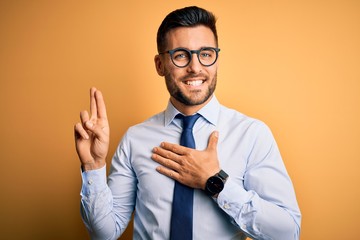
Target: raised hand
{"points": [[92, 134]]}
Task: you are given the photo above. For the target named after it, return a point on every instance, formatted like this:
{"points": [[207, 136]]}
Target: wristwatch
{"points": [[215, 184]]}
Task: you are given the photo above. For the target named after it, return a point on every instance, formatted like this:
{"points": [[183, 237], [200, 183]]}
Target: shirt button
{"points": [[90, 182], [226, 206]]}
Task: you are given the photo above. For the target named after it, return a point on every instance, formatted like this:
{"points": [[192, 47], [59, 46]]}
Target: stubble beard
{"points": [[176, 92]]}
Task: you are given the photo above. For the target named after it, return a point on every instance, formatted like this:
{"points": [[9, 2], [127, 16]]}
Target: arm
{"points": [[106, 212], [97, 204], [92, 144], [263, 204]]}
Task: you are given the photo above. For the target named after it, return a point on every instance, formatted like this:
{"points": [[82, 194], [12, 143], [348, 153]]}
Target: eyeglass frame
{"points": [[191, 52]]}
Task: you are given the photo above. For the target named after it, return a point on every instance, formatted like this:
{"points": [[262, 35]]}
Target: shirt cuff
{"points": [[93, 181], [232, 197]]}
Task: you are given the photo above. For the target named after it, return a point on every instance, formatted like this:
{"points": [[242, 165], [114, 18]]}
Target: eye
{"points": [[207, 53], [180, 55]]}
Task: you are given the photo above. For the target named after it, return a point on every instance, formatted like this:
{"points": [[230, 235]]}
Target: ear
{"points": [[159, 65]]}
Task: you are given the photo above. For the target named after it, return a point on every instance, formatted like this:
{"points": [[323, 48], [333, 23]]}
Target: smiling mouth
{"points": [[194, 83]]}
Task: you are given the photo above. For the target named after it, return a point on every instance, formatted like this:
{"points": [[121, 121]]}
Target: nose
{"points": [[194, 66]]}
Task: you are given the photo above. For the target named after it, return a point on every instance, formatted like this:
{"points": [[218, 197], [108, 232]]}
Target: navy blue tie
{"points": [[182, 206]]}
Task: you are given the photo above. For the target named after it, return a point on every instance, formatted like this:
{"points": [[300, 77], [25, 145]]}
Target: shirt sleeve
{"points": [[106, 208], [96, 204], [264, 206]]}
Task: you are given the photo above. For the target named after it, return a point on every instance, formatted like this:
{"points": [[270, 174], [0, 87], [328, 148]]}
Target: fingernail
{"points": [[86, 137]]}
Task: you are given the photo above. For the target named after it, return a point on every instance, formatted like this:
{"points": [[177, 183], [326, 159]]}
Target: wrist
{"points": [[92, 166]]}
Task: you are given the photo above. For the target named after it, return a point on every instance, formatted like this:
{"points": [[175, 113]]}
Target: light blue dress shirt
{"points": [[258, 199]]}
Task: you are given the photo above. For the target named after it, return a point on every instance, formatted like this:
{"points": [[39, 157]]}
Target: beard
{"points": [[198, 96]]}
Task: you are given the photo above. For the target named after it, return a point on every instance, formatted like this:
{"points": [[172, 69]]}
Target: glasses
{"points": [[181, 57]]}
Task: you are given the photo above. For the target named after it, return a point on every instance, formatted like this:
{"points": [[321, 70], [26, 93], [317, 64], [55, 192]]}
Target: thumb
{"points": [[89, 125], [97, 130], [213, 140], [94, 128]]}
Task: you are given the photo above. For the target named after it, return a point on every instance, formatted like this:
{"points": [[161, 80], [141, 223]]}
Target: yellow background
{"points": [[293, 64]]}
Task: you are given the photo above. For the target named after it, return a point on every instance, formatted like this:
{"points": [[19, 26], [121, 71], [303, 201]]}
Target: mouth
{"points": [[194, 83]]}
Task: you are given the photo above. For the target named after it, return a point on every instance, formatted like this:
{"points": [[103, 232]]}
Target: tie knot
{"points": [[189, 121]]}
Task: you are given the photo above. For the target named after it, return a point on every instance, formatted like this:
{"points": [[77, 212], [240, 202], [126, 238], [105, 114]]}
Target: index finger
{"points": [[175, 148], [93, 107]]}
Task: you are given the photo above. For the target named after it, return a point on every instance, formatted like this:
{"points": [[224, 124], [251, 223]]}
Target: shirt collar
{"points": [[210, 112]]}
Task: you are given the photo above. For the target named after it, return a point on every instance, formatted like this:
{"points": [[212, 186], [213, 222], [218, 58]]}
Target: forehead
{"points": [[190, 37]]}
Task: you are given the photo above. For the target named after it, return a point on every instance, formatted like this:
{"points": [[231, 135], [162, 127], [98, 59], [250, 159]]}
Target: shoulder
{"points": [[146, 127], [234, 117], [249, 129]]}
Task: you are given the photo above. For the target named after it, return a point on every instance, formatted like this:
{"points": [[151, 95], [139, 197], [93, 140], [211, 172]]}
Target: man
{"points": [[237, 180]]}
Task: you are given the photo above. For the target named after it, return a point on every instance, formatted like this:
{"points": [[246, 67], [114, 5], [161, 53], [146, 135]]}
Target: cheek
{"points": [[212, 72], [164, 67], [213, 69], [174, 73]]}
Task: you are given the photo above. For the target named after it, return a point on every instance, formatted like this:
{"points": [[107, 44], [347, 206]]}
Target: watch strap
{"points": [[223, 175]]}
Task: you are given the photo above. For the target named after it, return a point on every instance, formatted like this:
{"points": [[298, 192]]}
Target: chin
{"points": [[192, 101]]}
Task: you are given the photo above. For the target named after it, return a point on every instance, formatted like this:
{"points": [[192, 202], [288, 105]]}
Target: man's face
{"points": [[194, 84]]}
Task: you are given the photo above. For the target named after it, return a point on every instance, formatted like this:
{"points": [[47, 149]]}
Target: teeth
{"points": [[194, 83]]}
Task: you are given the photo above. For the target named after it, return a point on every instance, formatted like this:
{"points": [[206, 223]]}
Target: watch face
{"points": [[214, 185]]}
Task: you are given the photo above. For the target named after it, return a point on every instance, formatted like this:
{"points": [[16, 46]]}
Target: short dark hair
{"points": [[185, 17]]}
